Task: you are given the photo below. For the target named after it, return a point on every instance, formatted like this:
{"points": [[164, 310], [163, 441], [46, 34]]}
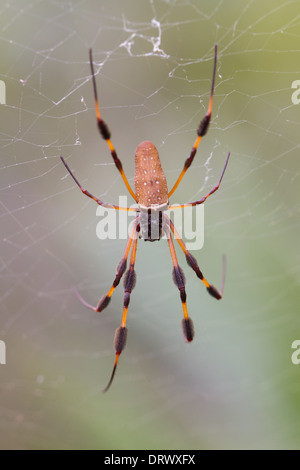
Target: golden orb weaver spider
{"points": [[151, 220]]}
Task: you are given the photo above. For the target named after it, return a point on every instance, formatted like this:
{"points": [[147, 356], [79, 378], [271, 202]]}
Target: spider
{"points": [[151, 221]]}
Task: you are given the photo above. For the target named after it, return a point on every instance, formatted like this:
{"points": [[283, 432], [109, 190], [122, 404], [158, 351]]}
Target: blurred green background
{"points": [[234, 386]]}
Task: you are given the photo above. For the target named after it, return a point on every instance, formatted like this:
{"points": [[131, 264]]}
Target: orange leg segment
{"points": [[192, 262], [179, 281], [201, 131], [121, 332], [105, 132]]}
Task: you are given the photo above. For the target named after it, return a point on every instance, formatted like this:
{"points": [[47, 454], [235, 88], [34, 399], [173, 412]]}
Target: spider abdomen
{"points": [[149, 179]]}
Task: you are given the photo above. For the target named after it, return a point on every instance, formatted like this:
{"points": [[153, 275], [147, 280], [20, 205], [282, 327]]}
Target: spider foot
{"points": [[91, 307]]}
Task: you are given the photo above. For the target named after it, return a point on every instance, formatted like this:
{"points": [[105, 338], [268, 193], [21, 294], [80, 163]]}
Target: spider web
{"points": [[233, 387]]}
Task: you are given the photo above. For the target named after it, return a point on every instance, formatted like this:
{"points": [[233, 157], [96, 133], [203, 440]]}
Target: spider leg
{"points": [[203, 199], [121, 332], [179, 281], [104, 301], [87, 193], [201, 131], [105, 132], [192, 262]]}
